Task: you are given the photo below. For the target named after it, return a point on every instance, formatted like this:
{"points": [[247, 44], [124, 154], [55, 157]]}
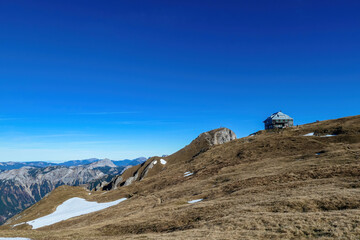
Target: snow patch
{"points": [[329, 135], [72, 207], [155, 162], [17, 225], [186, 174], [16, 238], [195, 201], [163, 162], [312, 134]]}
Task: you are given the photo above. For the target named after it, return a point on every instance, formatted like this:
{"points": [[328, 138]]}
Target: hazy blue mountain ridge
{"points": [[17, 165], [23, 184]]}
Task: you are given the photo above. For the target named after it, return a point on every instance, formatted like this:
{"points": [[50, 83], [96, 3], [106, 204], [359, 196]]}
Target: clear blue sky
{"points": [[122, 79]]}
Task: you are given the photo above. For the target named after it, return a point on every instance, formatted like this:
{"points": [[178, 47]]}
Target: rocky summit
{"points": [[218, 136]]}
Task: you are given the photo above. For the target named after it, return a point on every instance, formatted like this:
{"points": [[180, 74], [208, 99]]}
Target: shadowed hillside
{"points": [[271, 185]]}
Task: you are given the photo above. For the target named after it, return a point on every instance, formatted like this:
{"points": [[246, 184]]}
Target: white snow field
{"points": [[72, 207], [312, 134], [163, 162], [186, 174], [309, 134], [195, 201], [17, 225], [16, 238]]}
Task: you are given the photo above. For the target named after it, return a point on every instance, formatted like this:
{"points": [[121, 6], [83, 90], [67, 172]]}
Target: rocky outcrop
{"points": [[218, 136], [156, 164], [102, 163]]}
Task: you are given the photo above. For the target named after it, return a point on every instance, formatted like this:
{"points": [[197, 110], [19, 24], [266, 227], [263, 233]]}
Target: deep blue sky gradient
{"points": [[122, 79]]}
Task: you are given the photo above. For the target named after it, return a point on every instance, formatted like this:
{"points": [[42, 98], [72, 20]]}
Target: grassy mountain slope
{"points": [[275, 184]]}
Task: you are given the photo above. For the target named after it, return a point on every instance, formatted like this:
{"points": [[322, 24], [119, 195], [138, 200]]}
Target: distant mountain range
{"points": [[41, 164], [23, 184]]}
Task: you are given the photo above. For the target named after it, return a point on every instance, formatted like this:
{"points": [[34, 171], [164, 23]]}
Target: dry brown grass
{"points": [[269, 186]]}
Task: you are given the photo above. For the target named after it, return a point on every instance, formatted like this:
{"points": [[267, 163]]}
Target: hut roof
{"points": [[279, 115]]}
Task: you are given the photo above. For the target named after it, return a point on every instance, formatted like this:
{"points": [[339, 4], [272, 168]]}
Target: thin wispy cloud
{"points": [[63, 135], [150, 122], [40, 145], [106, 113], [22, 138], [9, 118]]}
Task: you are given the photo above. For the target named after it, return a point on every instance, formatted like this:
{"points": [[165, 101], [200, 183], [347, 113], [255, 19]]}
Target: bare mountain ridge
{"points": [[102, 163], [296, 183], [16, 165], [156, 164]]}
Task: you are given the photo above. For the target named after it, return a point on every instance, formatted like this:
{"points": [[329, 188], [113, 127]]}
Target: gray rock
{"points": [[218, 136]]}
